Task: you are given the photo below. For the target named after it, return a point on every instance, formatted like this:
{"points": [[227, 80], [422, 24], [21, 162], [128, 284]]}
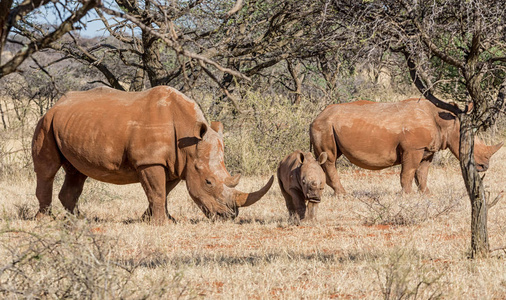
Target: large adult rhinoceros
{"points": [[157, 137], [380, 135]]}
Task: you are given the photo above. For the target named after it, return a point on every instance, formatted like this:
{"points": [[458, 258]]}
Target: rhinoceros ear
{"points": [[218, 127], [200, 130], [322, 158], [300, 158]]}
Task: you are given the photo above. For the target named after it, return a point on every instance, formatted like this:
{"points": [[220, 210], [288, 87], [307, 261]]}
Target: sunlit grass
{"points": [[371, 243]]}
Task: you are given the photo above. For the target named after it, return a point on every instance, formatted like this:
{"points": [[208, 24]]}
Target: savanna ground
{"points": [[371, 243]]}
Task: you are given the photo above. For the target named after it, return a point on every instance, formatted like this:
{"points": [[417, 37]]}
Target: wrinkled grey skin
{"points": [[302, 180]]}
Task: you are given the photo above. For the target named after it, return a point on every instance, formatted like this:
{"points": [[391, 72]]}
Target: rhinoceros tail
{"points": [[47, 157]]}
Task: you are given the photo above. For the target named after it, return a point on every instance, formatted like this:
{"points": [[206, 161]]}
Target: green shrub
{"points": [[266, 130]]}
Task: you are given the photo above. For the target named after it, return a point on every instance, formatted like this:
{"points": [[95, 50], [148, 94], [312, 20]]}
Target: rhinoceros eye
{"points": [[209, 182]]}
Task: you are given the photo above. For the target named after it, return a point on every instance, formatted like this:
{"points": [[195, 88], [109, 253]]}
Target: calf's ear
{"points": [[322, 158]]}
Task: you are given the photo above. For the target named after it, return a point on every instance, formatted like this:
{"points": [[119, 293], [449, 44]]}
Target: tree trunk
{"points": [[294, 69], [475, 189], [3, 116], [154, 68], [137, 83], [5, 9]]}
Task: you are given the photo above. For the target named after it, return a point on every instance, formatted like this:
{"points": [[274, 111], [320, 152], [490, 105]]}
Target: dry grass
{"points": [[372, 243]]}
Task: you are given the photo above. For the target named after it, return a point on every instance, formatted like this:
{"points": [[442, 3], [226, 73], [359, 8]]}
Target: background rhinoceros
{"points": [[380, 135]]}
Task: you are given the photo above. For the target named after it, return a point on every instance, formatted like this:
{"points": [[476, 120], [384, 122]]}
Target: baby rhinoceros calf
{"points": [[301, 179]]}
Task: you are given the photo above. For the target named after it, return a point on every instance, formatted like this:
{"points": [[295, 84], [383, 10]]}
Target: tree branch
{"points": [[426, 39], [223, 88], [238, 5], [45, 41], [173, 44], [418, 81]]}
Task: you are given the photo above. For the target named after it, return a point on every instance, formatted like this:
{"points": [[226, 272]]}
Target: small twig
{"points": [[497, 249], [496, 200], [236, 8]]}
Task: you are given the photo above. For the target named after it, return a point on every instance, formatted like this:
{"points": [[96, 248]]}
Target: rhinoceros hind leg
{"points": [[72, 187], [153, 181], [46, 163], [333, 153], [332, 178], [44, 193]]}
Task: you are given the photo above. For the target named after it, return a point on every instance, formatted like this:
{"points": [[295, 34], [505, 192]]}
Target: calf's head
{"points": [[209, 183], [312, 176]]}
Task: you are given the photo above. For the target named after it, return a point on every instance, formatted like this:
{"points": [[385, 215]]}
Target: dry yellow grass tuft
{"points": [[371, 243]]}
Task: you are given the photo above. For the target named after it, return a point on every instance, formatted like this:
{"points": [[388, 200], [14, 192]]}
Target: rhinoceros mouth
{"points": [[314, 200], [230, 213]]}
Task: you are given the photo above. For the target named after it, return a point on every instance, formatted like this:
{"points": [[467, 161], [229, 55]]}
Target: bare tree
{"points": [[453, 50], [16, 19], [225, 42]]}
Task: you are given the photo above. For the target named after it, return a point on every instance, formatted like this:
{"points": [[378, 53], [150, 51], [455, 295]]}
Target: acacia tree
{"points": [[453, 50], [17, 18], [226, 42]]}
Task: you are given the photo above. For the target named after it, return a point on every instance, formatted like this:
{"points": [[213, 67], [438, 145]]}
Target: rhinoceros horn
{"points": [[493, 149], [247, 199], [232, 181]]}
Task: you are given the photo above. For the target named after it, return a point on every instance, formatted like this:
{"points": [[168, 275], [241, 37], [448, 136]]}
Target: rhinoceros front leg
{"points": [[422, 174], [153, 181], [410, 163], [312, 210], [292, 211], [146, 216], [298, 205]]}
